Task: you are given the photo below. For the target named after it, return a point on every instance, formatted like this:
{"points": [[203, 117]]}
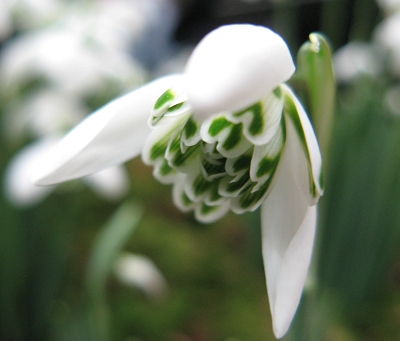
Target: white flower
{"points": [[67, 60], [50, 78], [389, 6], [22, 15], [227, 134], [387, 35], [5, 20], [139, 271], [356, 58]]}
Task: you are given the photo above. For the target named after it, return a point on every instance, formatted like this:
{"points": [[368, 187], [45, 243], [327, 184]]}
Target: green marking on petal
{"points": [[277, 92], [175, 107], [291, 110], [234, 137], [165, 169], [179, 158], [214, 195], [207, 209], [159, 148], [266, 166], [217, 125], [241, 163], [249, 200], [201, 185], [166, 97], [238, 186], [256, 126], [185, 200], [174, 145], [213, 170], [190, 128]]}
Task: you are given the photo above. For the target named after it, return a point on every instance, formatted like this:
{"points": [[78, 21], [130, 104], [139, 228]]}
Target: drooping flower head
{"points": [[227, 134]]}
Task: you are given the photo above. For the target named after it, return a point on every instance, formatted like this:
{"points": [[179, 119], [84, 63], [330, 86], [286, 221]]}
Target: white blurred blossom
{"points": [[387, 35], [23, 15], [357, 58], [66, 60], [50, 76], [18, 184], [41, 113], [389, 6], [140, 272], [5, 20]]}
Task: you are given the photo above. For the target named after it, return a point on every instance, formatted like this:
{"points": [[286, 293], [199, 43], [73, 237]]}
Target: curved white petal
{"points": [[18, 186], [288, 229], [110, 136], [312, 147], [234, 66]]}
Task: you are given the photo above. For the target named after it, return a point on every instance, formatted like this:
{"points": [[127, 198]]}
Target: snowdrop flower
{"points": [[389, 6], [24, 15], [67, 60], [387, 35], [6, 26], [227, 134], [357, 58], [50, 62], [41, 113], [140, 272]]}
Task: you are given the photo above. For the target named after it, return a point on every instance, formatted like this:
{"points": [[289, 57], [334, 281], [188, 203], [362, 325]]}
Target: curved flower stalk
{"points": [[227, 135]]}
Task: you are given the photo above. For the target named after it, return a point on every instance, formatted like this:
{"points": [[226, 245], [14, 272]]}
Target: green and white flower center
{"points": [[226, 162]]}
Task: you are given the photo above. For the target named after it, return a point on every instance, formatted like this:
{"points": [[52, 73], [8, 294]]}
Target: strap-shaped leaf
{"points": [[315, 71]]}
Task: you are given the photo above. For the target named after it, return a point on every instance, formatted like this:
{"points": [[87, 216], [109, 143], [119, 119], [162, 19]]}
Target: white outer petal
{"points": [[17, 179], [110, 136], [234, 66], [288, 229], [312, 145]]}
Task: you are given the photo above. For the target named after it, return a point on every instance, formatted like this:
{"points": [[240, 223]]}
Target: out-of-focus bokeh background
{"points": [[109, 257]]}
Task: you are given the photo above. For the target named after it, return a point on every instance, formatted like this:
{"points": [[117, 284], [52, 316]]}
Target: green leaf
{"points": [[315, 79], [107, 245]]}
